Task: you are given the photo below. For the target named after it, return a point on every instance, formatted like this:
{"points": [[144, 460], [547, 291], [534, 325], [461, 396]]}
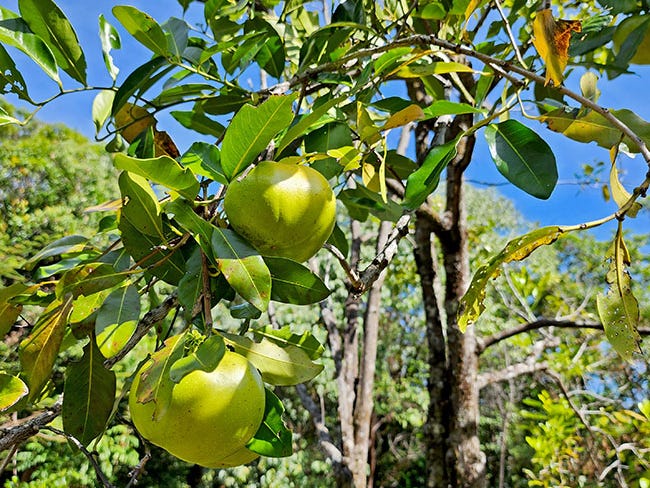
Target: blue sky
{"points": [[569, 204]]}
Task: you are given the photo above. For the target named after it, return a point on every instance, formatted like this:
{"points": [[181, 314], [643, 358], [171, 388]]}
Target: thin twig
{"points": [[513, 42], [98, 470]]}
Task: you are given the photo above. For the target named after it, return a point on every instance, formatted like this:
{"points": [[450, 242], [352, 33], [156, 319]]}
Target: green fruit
{"points": [[211, 416], [284, 210]]}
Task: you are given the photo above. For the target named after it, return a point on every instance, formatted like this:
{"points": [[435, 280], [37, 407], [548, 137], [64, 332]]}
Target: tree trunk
{"points": [[454, 453]]}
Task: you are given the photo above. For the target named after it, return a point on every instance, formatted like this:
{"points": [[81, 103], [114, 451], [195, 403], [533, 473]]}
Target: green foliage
{"points": [[169, 234]]}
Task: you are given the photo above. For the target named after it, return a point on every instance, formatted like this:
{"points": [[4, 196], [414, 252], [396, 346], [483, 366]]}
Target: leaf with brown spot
{"points": [[551, 39]]}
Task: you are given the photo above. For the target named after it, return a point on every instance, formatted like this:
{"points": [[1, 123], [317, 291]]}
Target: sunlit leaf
{"points": [[620, 195], [243, 267], [64, 245], [593, 127], [40, 349], [471, 305], [292, 282], [88, 396], [12, 389], [284, 336], [403, 117], [205, 160], [155, 384], [272, 439], [47, 21], [110, 39], [163, 171], [250, 131], [618, 309], [102, 108], [143, 27], [206, 357], [551, 39], [523, 157], [279, 365], [140, 204], [117, 319], [16, 33]]}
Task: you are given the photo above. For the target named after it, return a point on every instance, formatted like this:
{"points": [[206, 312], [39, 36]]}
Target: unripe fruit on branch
{"points": [[282, 209]]}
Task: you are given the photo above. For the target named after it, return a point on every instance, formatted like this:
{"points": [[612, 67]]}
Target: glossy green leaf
{"points": [[471, 305], [197, 121], [153, 253], [84, 308], [11, 79], [251, 130], [205, 160], [12, 389], [140, 204], [88, 279], [143, 27], [279, 365], [47, 21], [64, 245], [15, 32], [292, 282], [338, 239], [270, 53], [9, 312], [88, 396], [183, 213], [307, 121], [190, 286], [284, 336], [206, 357], [436, 68], [142, 78], [181, 93], [163, 171], [155, 384], [523, 157], [445, 107], [618, 309], [243, 267], [40, 349], [422, 182], [177, 31], [110, 40], [117, 319], [272, 439]]}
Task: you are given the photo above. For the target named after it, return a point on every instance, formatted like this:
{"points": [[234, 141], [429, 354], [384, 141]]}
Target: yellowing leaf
{"points": [[618, 309], [551, 39], [404, 116], [132, 120], [619, 193]]}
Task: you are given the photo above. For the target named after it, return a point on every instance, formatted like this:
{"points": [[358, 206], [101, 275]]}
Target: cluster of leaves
{"points": [[325, 110]]}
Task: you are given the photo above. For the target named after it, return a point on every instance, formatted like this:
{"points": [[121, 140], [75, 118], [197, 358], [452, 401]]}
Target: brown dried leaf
{"points": [[551, 39]]}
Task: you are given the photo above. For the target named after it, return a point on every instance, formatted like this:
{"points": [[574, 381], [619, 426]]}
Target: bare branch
{"points": [[98, 470], [17, 434], [151, 318], [510, 372], [483, 344]]}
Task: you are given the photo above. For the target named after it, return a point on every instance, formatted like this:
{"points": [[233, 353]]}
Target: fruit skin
{"points": [[282, 209], [211, 417]]}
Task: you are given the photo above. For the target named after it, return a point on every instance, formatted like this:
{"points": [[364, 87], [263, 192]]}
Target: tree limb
{"points": [[510, 372], [484, 343]]}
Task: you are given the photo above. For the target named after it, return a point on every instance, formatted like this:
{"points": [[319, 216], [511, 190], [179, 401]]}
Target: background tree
{"points": [[323, 102]]}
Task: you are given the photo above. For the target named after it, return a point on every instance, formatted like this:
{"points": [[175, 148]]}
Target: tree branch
{"points": [[17, 434], [483, 344], [510, 372]]}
